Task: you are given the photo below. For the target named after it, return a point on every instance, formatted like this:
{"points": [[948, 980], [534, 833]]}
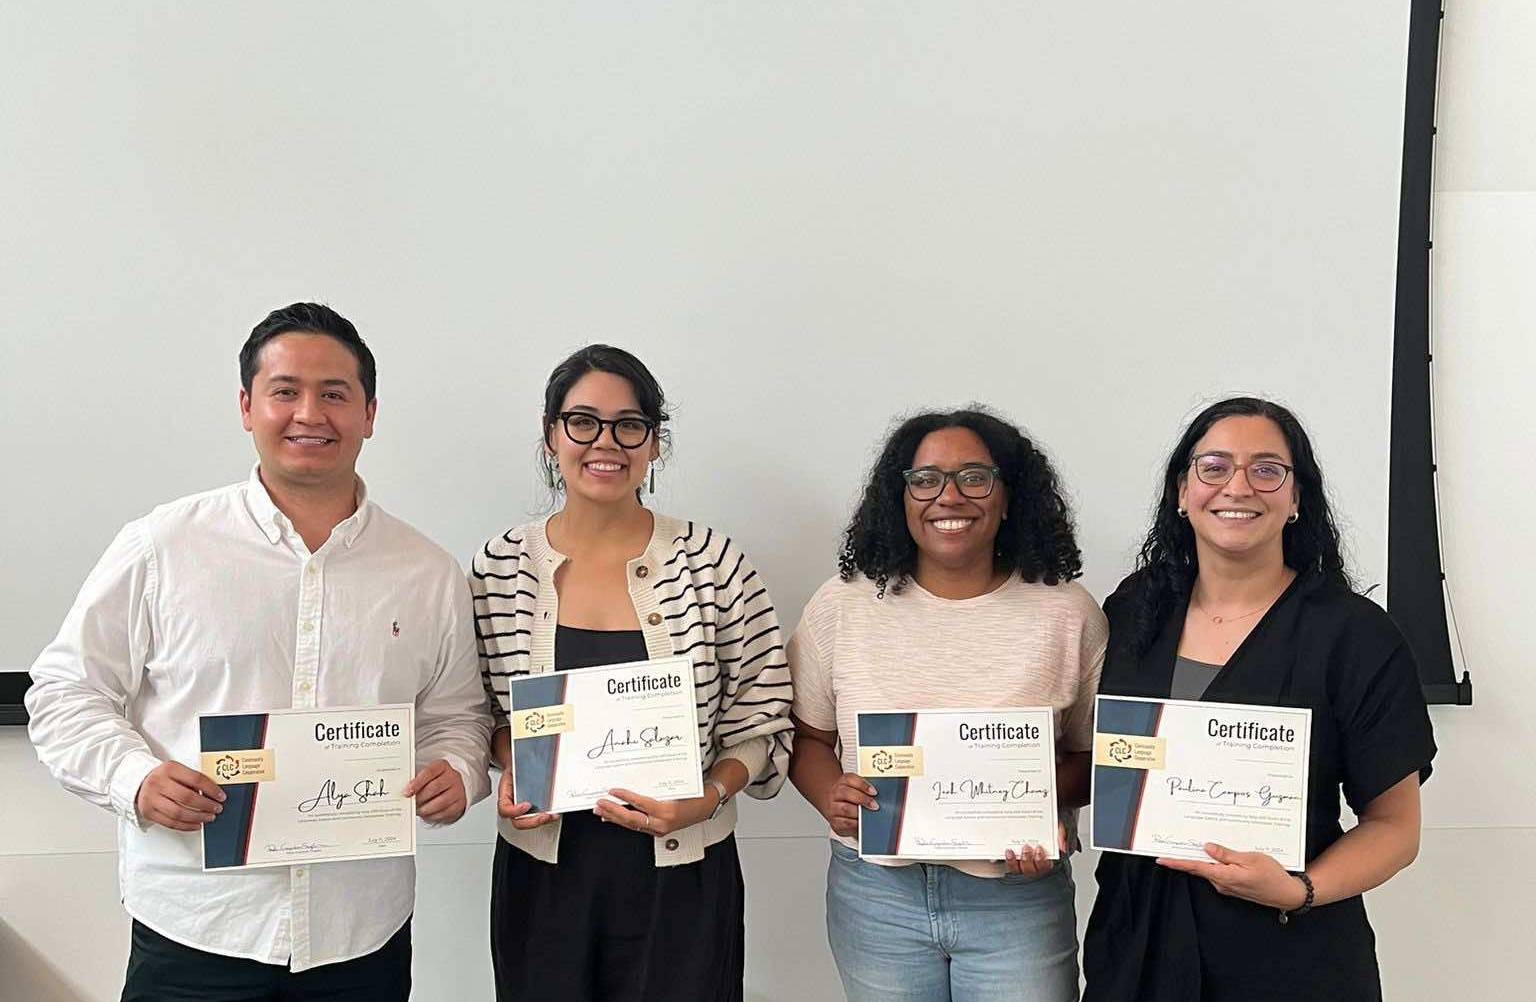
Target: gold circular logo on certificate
{"points": [[1120, 750], [533, 723], [882, 761], [228, 767]]}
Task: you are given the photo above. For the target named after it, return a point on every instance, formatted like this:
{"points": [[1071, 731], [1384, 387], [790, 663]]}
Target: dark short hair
{"points": [[606, 358], [308, 318], [1036, 541], [1167, 563]]}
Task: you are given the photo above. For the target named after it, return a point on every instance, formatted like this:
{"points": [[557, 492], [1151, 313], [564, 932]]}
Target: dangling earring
{"points": [[552, 475], [652, 488], [1294, 516], [1183, 512]]}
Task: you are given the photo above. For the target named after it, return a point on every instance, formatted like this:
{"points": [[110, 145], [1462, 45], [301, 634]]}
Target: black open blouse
{"points": [[1157, 934]]}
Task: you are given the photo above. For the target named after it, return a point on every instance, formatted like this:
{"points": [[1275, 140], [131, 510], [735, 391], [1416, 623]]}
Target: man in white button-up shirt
{"points": [[291, 589]]}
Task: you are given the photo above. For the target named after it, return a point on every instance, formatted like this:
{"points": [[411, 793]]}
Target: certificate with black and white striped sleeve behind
{"points": [[578, 734]]}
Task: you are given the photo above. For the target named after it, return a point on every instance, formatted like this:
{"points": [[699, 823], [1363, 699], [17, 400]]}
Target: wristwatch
{"points": [[723, 794]]}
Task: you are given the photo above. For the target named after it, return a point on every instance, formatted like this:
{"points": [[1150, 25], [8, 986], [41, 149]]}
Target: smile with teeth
{"points": [[309, 440], [952, 524], [1235, 515], [602, 466]]}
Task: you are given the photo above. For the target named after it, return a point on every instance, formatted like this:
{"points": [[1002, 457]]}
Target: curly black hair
{"points": [[1036, 540], [1167, 564]]}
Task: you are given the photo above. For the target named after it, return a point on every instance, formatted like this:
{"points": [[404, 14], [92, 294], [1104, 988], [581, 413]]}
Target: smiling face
{"points": [[1233, 519], [601, 471], [953, 531], [306, 412]]}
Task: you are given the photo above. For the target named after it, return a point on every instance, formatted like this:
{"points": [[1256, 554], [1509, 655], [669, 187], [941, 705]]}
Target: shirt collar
{"points": [[273, 523]]}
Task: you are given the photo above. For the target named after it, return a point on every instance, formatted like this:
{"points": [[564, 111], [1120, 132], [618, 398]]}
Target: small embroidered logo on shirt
{"points": [[394, 628]]}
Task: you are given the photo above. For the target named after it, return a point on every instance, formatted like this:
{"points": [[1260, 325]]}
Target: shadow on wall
{"points": [[28, 975]]}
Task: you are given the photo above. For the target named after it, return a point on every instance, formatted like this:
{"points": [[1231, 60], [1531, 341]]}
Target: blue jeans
{"points": [[930, 933]]}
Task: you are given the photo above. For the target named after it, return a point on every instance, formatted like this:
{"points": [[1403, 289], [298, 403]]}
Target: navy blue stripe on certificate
{"points": [[880, 831], [534, 759], [1118, 793], [227, 838]]}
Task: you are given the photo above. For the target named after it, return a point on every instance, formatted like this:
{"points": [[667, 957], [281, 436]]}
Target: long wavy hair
{"points": [[1167, 564], [1036, 540]]}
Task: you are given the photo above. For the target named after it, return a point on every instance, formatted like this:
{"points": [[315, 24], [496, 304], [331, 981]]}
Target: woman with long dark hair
{"points": [[1241, 596], [640, 900], [955, 589]]}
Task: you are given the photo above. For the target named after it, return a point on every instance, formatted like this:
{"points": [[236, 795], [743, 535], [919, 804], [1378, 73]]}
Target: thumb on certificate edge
{"points": [[1218, 852]]}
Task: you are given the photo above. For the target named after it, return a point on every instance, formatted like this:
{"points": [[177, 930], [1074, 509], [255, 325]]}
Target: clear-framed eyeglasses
{"points": [[584, 429], [975, 481], [1264, 475]]}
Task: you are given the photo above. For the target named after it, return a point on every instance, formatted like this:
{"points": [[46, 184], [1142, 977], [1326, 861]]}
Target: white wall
{"points": [[1454, 926], [1457, 925]]}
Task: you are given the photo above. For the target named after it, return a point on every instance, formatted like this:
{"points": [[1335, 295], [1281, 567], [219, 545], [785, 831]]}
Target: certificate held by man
{"points": [[309, 786], [1171, 775], [578, 734], [958, 784]]}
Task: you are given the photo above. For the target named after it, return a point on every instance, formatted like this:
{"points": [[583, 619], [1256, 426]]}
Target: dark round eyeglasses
{"points": [[927, 482], [584, 429]]}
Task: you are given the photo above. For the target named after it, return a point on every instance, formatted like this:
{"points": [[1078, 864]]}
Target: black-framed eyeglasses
{"points": [[927, 482], [584, 429], [1264, 475]]}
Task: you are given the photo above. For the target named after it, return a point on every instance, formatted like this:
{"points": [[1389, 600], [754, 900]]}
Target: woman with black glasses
{"points": [[638, 899], [1241, 596], [955, 590]]}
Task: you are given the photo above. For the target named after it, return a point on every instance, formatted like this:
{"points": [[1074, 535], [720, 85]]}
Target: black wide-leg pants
{"points": [[606, 924]]}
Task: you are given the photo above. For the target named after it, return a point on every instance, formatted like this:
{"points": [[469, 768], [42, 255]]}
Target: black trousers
{"points": [[607, 924], [161, 970]]}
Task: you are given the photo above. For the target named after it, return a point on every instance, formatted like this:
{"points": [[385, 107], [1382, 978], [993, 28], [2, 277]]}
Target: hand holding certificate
{"points": [[958, 784], [1170, 776], [309, 786], [578, 734]]}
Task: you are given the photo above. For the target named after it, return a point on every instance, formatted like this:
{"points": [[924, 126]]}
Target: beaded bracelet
{"points": [[1306, 906]]}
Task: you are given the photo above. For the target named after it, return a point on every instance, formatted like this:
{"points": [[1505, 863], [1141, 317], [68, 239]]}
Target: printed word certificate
{"points": [[309, 786], [958, 784], [578, 734], [1170, 775]]}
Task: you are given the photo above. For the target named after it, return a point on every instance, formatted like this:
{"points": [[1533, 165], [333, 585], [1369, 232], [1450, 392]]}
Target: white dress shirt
{"points": [[213, 603]]}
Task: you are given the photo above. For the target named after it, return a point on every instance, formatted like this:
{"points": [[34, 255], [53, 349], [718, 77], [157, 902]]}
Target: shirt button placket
{"points": [[298, 889], [305, 671], [307, 647]]}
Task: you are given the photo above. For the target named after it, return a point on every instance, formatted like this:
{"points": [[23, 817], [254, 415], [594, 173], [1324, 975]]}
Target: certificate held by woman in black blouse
{"points": [[1170, 776]]}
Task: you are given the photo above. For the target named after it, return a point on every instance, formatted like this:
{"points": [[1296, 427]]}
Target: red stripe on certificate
{"points": [[1141, 782], [554, 760], [901, 790], [250, 819]]}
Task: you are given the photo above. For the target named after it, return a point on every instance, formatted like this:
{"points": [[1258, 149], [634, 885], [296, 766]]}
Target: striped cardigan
{"points": [[695, 594]]}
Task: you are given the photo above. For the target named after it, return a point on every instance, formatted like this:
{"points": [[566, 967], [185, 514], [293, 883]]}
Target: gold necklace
{"points": [[1218, 620]]}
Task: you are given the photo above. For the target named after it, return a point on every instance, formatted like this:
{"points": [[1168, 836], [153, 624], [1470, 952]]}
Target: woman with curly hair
{"points": [[955, 590], [1241, 596]]}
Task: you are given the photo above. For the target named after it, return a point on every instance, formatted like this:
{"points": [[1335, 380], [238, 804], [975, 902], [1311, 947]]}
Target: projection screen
{"points": [[808, 218]]}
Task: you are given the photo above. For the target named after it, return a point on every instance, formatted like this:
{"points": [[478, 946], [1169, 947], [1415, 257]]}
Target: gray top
{"points": [[1191, 678]]}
